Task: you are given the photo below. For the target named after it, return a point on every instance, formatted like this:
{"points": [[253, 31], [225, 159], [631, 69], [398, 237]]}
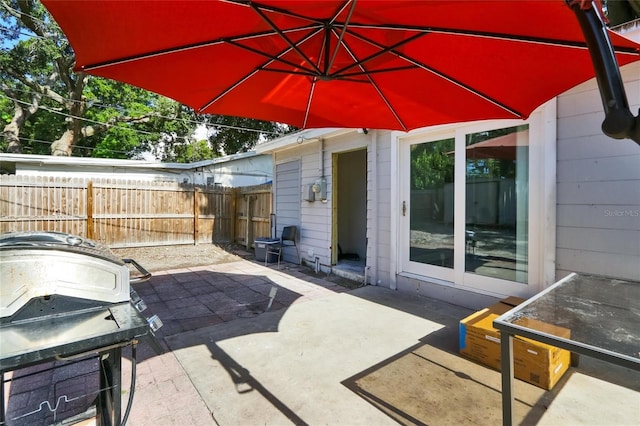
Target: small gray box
{"points": [[261, 245]]}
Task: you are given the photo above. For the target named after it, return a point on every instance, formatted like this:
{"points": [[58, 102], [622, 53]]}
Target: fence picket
{"points": [[121, 213]]}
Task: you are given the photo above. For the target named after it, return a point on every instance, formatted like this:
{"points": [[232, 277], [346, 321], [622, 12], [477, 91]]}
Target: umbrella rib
{"points": [[186, 47], [282, 35], [383, 50], [442, 75], [486, 34], [375, 86], [275, 58], [227, 90], [378, 71], [341, 35], [284, 12], [259, 68], [306, 112]]}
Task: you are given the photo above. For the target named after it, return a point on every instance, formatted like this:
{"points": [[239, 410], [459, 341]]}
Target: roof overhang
{"points": [[297, 138], [44, 160]]}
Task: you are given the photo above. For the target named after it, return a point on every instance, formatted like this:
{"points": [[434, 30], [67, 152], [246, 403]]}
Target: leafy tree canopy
{"points": [[48, 108]]}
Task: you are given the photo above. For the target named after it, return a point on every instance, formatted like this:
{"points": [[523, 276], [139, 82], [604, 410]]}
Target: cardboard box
{"points": [[534, 362]]}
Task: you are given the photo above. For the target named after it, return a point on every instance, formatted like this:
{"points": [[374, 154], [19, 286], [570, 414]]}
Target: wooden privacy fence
{"points": [[124, 213]]}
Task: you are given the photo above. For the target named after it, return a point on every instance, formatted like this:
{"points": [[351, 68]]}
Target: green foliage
{"points": [[232, 138], [432, 164], [192, 152], [110, 119]]}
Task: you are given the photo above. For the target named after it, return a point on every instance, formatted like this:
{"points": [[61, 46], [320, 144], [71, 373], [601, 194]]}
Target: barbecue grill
{"points": [[64, 297]]}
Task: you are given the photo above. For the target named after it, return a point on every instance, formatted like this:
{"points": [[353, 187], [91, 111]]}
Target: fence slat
{"points": [[122, 213]]}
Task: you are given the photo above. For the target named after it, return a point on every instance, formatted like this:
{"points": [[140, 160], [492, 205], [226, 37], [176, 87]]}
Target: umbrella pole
{"points": [[619, 122]]}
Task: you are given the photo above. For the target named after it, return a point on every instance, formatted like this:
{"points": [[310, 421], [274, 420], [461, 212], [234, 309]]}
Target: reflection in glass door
{"points": [[431, 203], [497, 203]]}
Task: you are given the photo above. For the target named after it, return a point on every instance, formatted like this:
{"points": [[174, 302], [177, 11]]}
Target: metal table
{"points": [[602, 314]]}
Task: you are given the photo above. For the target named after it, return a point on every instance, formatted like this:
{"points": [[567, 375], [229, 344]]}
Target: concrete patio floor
{"points": [[324, 354]]}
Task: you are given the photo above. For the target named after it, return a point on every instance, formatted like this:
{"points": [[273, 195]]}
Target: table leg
{"points": [[2, 419], [109, 400], [506, 359]]}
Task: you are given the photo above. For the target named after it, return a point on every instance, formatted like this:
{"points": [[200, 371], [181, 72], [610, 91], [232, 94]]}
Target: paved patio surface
{"points": [[321, 353]]}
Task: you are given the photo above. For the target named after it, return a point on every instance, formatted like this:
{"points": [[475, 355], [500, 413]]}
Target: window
{"points": [[476, 204], [497, 203]]}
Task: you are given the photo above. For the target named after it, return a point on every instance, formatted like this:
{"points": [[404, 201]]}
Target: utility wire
{"points": [[10, 31], [35, 18], [91, 148], [64, 114], [184, 120]]}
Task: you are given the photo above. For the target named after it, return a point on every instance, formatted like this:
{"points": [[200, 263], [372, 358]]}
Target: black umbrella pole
{"points": [[619, 122]]}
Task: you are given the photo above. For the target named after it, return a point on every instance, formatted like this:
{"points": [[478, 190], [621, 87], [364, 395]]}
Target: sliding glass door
{"points": [[497, 203], [465, 204]]}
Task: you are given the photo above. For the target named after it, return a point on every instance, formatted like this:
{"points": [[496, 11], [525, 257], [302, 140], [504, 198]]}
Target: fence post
{"points": [[90, 227], [196, 196], [233, 213], [247, 235]]}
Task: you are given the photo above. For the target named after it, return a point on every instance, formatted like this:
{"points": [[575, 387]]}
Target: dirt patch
{"points": [[165, 258], [159, 258]]}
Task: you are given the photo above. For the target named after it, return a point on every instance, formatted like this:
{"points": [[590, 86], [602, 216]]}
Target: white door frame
{"points": [[542, 203]]}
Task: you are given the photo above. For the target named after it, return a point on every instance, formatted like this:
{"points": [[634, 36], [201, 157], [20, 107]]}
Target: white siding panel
{"points": [[626, 167], [598, 190], [608, 241], [580, 126], [598, 147], [591, 262], [287, 202], [621, 193], [597, 216], [382, 208]]}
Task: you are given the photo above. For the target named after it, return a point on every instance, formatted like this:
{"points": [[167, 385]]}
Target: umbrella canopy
{"points": [[502, 147], [362, 63]]}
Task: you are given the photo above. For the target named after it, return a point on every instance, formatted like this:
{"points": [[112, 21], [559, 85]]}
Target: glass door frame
{"points": [[541, 227]]}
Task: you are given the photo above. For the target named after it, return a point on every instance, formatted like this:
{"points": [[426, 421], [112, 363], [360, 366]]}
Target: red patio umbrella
{"points": [[502, 147], [357, 64]]}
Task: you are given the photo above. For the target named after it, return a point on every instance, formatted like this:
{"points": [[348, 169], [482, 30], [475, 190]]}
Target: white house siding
{"points": [[316, 216], [235, 170], [379, 210], [248, 171], [598, 187], [313, 225], [287, 202]]}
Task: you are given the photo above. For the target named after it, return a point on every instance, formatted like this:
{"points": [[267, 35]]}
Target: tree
{"points": [[432, 164], [49, 108], [79, 114], [231, 135]]}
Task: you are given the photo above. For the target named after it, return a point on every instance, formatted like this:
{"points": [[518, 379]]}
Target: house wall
{"points": [[379, 223], [314, 236], [233, 172], [242, 172], [598, 187], [106, 172], [316, 217]]}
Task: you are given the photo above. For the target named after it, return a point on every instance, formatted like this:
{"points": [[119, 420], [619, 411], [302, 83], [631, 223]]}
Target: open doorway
{"points": [[349, 248]]}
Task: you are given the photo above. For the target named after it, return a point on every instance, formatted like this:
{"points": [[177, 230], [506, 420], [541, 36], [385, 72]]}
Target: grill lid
{"points": [[57, 241], [41, 264]]}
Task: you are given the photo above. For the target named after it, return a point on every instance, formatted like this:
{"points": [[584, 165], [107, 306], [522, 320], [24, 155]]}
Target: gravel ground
{"points": [[165, 258], [182, 256]]}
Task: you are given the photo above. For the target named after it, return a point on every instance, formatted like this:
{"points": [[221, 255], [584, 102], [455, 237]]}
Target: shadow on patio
{"points": [[368, 356]]}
